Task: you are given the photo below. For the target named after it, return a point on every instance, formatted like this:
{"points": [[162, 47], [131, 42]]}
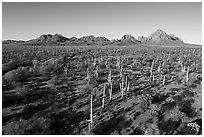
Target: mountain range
{"points": [[159, 37]]}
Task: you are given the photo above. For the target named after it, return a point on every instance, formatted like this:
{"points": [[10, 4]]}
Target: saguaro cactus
{"points": [[90, 121], [159, 69], [88, 77], [111, 84], [94, 62], [96, 72], [104, 95], [151, 70], [153, 78], [121, 72], [91, 111], [179, 62], [66, 69], [122, 82], [128, 86], [168, 57], [118, 62], [164, 79], [122, 87], [183, 69], [187, 74], [126, 83], [85, 62]]}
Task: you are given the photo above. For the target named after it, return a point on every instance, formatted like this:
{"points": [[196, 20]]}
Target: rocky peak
{"points": [[159, 34], [160, 37], [127, 37], [90, 38]]}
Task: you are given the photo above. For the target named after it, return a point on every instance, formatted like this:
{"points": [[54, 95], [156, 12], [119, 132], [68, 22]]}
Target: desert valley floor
{"points": [[101, 90]]}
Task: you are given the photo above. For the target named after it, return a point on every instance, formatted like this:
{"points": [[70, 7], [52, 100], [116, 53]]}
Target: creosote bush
{"points": [[18, 75], [27, 127]]}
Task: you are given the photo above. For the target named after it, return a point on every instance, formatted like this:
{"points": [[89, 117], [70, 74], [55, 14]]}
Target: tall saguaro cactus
{"points": [[122, 87], [179, 62], [153, 78], [111, 84], [88, 76], [104, 95], [122, 82], [94, 62], [118, 62], [159, 68], [151, 70], [91, 111], [90, 121], [187, 74], [121, 72], [164, 79], [128, 86], [126, 83]]}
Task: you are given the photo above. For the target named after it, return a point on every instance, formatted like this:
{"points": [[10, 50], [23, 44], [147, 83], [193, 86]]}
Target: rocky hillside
{"points": [[126, 40], [160, 37]]}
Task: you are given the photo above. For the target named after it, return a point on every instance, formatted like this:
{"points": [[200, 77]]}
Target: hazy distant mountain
{"points": [[91, 39], [126, 40], [159, 37], [11, 41], [57, 38]]}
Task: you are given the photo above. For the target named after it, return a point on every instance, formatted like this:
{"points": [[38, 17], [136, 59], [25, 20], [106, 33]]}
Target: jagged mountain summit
{"points": [[160, 37]]}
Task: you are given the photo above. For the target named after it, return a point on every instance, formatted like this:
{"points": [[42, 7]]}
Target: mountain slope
{"points": [[126, 40], [160, 37]]}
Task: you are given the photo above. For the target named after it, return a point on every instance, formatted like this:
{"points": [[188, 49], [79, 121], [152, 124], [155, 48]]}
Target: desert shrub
{"points": [[47, 66], [9, 76], [16, 127], [22, 90], [18, 75], [187, 93], [9, 66], [27, 127], [54, 82], [35, 63], [14, 64], [185, 106], [52, 65], [59, 69], [42, 70], [22, 74], [6, 85]]}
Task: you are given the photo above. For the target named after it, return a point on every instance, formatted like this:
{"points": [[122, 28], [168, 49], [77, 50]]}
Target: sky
{"points": [[25, 21]]}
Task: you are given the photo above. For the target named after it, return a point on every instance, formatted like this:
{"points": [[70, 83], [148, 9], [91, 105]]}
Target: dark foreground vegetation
{"points": [[101, 90]]}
